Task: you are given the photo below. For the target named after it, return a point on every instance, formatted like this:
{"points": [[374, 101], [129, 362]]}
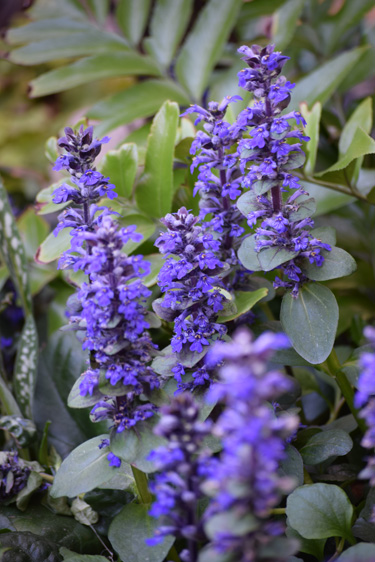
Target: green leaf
{"points": [[33, 230], [99, 9], [361, 145], [26, 366], [157, 262], [134, 448], [39, 522], [145, 226], [45, 205], [310, 321], [168, 24], [320, 84], [361, 117], [73, 557], [326, 199], [270, 258], [292, 465], [7, 400], [312, 118], [132, 16], [308, 546], [34, 482], [359, 553], [326, 444], [325, 233], [247, 254], [60, 364], [346, 19], [23, 430], [154, 191], [70, 556], [129, 531], [86, 468], [121, 167], [284, 22], [12, 252], [141, 100], [306, 208], [244, 301], [320, 511], [98, 67], [203, 47], [89, 42], [48, 28], [53, 246], [247, 203], [167, 359], [337, 263]]}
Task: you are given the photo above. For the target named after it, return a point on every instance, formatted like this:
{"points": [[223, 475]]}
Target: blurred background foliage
{"points": [[115, 63]]}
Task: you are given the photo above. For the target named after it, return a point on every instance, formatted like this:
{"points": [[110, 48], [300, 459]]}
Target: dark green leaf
{"points": [[34, 482], [27, 547], [154, 192], [87, 70], [65, 531], [12, 252], [141, 100], [132, 16], [23, 430], [292, 465], [60, 365], [204, 44], [270, 258], [309, 546], [347, 17], [86, 468], [295, 160], [285, 22], [129, 531], [325, 233], [89, 42], [73, 557], [322, 446], [121, 167], [168, 24], [320, 84], [310, 321], [337, 263], [26, 367], [319, 511], [7, 399]]}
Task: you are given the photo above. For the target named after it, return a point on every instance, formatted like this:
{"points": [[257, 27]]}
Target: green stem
{"points": [[332, 367], [47, 477], [141, 481], [278, 511], [335, 187]]}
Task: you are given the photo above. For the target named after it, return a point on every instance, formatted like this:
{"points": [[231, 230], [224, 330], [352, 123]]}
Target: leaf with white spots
{"points": [[12, 251], [26, 366]]}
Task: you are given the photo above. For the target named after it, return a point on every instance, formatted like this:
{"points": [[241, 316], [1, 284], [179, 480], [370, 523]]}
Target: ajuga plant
{"points": [[108, 311]]}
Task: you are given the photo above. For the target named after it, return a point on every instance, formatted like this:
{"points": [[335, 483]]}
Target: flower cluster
{"points": [[271, 151], [13, 475], [109, 307], [190, 278], [182, 466], [366, 397], [218, 191], [246, 479]]}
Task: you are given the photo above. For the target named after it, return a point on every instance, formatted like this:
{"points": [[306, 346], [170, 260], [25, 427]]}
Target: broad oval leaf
{"points": [[310, 321], [154, 191], [326, 444], [130, 529], [270, 258], [244, 301], [337, 263], [361, 552], [319, 511], [204, 44], [86, 468], [247, 254], [247, 203]]}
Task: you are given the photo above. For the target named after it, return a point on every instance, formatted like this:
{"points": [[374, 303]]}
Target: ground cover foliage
{"points": [[187, 309]]}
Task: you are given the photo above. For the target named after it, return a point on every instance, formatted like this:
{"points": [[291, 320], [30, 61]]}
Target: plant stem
{"points": [[141, 481], [278, 511], [47, 477], [335, 187], [333, 368]]}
